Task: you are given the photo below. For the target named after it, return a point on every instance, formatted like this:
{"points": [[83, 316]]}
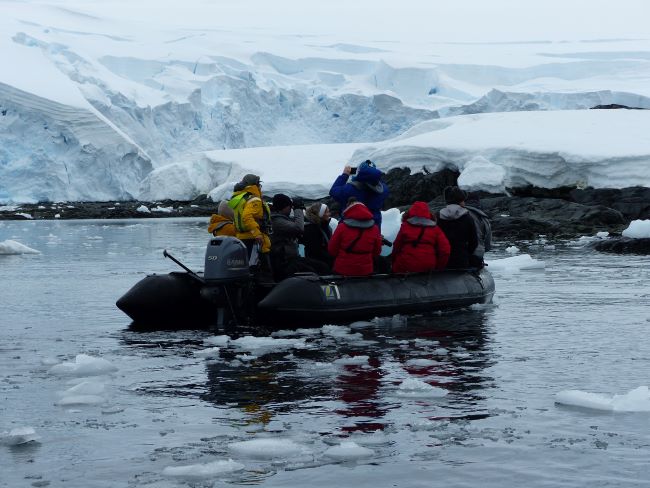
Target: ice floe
{"points": [[521, 262], [14, 247], [84, 365], [414, 388], [270, 448], [209, 353], [207, 470], [348, 451], [637, 400], [18, 436]]}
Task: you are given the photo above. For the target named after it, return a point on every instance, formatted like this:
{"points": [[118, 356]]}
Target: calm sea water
{"points": [[582, 323]]}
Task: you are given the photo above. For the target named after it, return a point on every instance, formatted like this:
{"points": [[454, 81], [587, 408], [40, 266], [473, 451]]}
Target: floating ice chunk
{"points": [[270, 448], [17, 436], [207, 470], [209, 353], [362, 324], [143, 209], [637, 400], [335, 330], [85, 388], [57, 216], [440, 351], [352, 361], [414, 388], [516, 263], [49, 361], [602, 235], [512, 250], [638, 229], [80, 400], [83, 365], [221, 340], [245, 357], [14, 247], [265, 345], [421, 362], [377, 438], [348, 451]]}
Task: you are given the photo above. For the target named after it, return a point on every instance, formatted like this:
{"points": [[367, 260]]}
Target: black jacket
{"points": [[457, 224], [315, 238]]}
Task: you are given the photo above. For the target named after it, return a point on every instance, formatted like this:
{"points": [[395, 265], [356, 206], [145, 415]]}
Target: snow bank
{"points": [[516, 263], [348, 451], [638, 229], [18, 436], [207, 470], [83, 365], [14, 247], [414, 388], [129, 106], [637, 400], [267, 448]]}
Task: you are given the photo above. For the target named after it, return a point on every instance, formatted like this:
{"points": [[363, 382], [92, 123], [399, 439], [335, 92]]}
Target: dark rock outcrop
{"points": [[406, 188], [624, 245], [633, 202]]}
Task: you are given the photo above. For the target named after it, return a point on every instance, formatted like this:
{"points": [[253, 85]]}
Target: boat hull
{"points": [[309, 300]]}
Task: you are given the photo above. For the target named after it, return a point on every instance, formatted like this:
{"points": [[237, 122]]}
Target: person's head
{"points": [[367, 172], [251, 179], [454, 195], [419, 209], [318, 213], [282, 203]]}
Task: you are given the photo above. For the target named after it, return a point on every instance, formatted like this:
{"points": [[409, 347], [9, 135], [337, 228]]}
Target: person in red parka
{"points": [[420, 244], [355, 242]]}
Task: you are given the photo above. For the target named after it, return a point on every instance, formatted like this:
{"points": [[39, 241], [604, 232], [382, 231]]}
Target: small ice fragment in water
{"points": [[269, 448], [414, 388], [18, 436], [207, 470], [348, 451]]}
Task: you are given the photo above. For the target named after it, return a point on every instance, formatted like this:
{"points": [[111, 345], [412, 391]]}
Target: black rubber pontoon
{"points": [[227, 294]]}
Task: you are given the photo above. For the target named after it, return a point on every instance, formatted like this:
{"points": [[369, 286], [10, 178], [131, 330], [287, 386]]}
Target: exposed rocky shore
{"points": [[523, 213]]}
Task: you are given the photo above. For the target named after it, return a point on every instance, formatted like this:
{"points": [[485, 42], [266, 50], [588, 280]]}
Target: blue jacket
{"points": [[366, 187]]}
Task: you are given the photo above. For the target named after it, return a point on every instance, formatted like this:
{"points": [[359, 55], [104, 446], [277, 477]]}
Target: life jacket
{"points": [[238, 202], [221, 226]]}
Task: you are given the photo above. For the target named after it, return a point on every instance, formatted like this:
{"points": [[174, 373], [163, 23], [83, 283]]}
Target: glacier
{"points": [[107, 101]]}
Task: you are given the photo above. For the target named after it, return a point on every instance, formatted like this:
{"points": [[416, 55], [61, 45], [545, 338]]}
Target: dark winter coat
{"points": [[355, 242], [483, 233], [460, 230], [316, 238], [286, 232], [366, 187], [420, 245]]}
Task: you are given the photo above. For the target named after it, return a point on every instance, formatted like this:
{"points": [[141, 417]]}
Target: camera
{"points": [[353, 170]]}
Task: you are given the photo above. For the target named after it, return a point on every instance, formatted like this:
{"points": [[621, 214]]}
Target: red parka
{"points": [[355, 242], [420, 245]]}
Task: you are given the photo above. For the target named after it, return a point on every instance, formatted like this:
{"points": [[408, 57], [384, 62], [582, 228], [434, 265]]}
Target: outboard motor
{"points": [[226, 260], [227, 278]]}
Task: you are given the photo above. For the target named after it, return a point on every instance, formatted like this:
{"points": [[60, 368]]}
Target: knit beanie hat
{"points": [[250, 179], [453, 194], [280, 201]]}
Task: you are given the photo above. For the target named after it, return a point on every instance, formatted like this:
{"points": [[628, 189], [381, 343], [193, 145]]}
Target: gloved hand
{"points": [[299, 203]]}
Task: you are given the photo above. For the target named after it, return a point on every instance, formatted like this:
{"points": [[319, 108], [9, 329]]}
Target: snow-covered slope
{"points": [[99, 99]]}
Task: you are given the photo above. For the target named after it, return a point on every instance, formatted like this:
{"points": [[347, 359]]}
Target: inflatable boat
{"points": [[228, 294]]}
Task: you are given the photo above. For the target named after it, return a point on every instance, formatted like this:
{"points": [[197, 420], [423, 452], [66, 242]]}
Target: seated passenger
{"points": [[355, 242], [420, 245], [457, 224], [221, 223], [285, 259], [318, 233]]}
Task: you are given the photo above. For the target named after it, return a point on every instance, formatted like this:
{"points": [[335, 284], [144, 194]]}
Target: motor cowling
{"points": [[226, 260]]}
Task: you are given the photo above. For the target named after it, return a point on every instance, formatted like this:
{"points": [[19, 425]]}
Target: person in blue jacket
{"points": [[365, 186]]}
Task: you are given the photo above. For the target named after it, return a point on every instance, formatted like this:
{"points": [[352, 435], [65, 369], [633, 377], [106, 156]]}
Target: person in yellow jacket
{"points": [[251, 214], [221, 223]]}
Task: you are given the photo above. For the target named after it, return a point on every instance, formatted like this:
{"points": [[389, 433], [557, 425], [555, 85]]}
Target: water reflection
{"points": [[449, 351]]}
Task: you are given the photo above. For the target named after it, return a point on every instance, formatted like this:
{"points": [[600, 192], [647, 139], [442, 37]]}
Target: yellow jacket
{"points": [[221, 226], [250, 216]]}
